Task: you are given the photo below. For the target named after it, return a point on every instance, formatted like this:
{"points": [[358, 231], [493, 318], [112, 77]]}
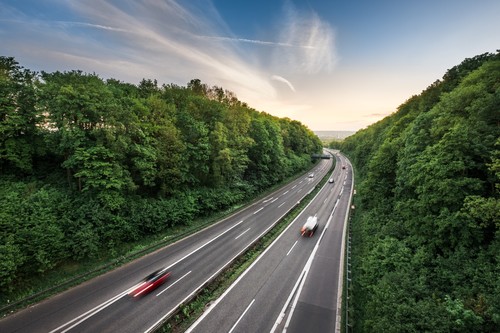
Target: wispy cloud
{"points": [[174, 42], [282, 79], [158, 37], [306, 29]]}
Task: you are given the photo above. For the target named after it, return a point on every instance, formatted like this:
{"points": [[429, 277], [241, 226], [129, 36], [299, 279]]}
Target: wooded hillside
{"points": [[87, 163], [426, 245]]}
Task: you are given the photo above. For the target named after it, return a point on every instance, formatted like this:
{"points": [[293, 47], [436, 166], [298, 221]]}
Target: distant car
{"points": [[150, 283], [343, 167], [311, 175], [331, 181]]}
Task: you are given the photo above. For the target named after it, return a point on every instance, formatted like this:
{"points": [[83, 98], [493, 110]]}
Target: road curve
{"points": [[102, 304], [293, 285]]}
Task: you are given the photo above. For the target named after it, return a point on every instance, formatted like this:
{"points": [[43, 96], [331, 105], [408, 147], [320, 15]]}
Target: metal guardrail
{"points": [[345, 268], [348, 277], [348, 273]]}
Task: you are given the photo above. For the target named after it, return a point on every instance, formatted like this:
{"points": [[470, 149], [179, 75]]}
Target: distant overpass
{"points": [[321, 156]]}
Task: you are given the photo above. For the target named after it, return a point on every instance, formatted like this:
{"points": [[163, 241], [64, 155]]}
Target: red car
{"points": [[150, 283]]}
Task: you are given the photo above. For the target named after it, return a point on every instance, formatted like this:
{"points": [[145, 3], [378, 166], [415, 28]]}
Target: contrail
{"points": [[255, 41], [282, 79], [90, 25]]}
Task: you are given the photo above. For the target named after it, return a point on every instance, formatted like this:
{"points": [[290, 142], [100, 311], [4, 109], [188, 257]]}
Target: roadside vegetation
{"points": [[425, 235], [88, 165]]}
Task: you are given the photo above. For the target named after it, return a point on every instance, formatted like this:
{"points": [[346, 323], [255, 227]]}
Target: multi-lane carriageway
{"points": [[293, 285]]}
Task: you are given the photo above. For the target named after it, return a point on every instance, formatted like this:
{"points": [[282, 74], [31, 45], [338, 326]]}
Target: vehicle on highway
{"points": [[331, 181], [150, 283], [311, 175], [343, 167], [309, 228]]}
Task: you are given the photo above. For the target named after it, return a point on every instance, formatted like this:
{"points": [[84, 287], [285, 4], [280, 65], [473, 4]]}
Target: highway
{"points": [[102, 304], [293, 286]]}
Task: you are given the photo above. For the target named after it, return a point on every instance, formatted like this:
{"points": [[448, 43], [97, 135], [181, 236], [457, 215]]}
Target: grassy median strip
{"points": [[189, 312]]}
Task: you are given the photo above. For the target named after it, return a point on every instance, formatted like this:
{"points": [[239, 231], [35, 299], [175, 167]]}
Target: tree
{"points": [[19, 117]]}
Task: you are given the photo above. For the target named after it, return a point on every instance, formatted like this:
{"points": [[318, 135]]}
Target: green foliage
{"points": [[88, 164], [462, 320], [31, 228], [18, 117], [426, 233], [11, 261]]}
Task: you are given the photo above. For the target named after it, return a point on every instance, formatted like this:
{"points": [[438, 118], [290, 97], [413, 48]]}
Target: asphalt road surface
{"points": [[103, 304], [294, 285]]}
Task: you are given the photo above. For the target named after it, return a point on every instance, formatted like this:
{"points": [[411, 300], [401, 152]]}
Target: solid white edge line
{"points": [[289, 251], [287, 302], [96, 308], [242, 233], [241, 317], [331, 215], [292, 308], [179, 279]]}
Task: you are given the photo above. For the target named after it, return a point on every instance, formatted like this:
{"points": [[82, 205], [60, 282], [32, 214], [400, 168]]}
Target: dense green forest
{"points": [[426, 242], [87, 164]]}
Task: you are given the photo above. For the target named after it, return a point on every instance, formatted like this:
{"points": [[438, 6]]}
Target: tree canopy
{"points": [[426, 239]]}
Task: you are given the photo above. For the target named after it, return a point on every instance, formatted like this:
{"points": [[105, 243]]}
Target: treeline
{"points": [[426, 245], [87, 164]]}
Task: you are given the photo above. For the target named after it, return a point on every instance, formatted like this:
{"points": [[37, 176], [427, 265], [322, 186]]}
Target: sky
{"points": [[330, 64]]}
